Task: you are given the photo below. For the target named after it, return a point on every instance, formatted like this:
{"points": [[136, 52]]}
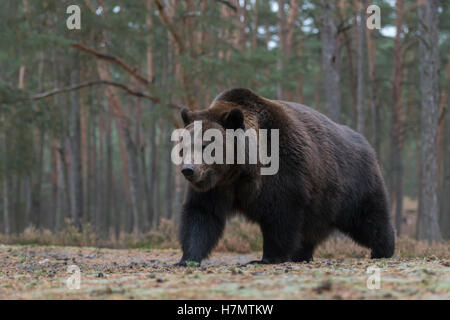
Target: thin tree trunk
{"points": [[346, 41], [255, 26], [170, 175], [65, 167], [129, 152], [374, 107], [75, 152], [360, 90], [397, 122], [6, 226], [281, 15], [300, 97], [155, 175], [37, 181], [286, 29], [152, 174], [149, 185], [443, 108], [96, 214], [445, 189], [54, 179], [109, 172], [330, 60], [86, 128], [132, 172], [102, 174]]}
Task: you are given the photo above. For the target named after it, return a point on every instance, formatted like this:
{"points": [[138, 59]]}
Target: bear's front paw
{"points": [[258, 262], [187, 263]]}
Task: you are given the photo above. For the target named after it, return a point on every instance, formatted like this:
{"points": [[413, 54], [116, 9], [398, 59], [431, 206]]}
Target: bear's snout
{"points": [[188, 171]]}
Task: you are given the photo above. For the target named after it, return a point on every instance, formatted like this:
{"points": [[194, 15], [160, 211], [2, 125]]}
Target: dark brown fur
{"points": [[328, 180]]}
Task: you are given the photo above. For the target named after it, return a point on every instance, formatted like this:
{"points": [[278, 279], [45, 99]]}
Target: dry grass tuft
{"points": [[240, 237]]}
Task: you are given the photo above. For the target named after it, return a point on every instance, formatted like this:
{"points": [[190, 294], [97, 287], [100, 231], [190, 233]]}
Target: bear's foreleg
{"points": [[200, 232]]}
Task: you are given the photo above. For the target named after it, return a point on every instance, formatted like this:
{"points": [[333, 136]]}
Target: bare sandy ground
{"points": [[39, 272]]}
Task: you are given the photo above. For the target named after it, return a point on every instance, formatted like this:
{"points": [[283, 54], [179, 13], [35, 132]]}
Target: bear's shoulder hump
{"points": [[241, 96]]}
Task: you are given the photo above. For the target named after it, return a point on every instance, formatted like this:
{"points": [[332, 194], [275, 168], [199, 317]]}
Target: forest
{"points": [[86, 114]]}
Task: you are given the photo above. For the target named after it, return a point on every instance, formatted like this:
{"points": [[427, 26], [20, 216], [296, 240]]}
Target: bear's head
{"points": [[207, 175]]}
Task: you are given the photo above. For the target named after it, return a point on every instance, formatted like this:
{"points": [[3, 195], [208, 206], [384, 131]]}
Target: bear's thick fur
{"points": [[328, 179]]}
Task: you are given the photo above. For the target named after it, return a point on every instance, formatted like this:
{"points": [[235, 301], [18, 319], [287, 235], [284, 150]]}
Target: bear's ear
{"points": [[234, 119], [186, 116]]}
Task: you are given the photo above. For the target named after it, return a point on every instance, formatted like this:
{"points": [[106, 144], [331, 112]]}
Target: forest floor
{"points": [[41, 272]]}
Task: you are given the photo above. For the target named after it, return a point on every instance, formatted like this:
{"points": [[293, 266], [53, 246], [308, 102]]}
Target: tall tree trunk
{"points": [[443, 108], [286, 29], [6, 226], [330, 60], [397, 122], [374, 107], [86, 128], [123, 127], [152, 174], [109, 171], [239, 35], [75, 155], [54, 180], [255, 26], [170, 176], [102, 174], [300, 48], [96, 214], [282, 32], [429, 84], [36, 184], [132, 172], [445, 188], [360, 90], [149, 22], [347, 42], [155, 174], [149, 185], [65, 165]]}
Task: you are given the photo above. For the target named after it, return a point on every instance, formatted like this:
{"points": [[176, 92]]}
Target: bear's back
{"points": [[307, 120]]}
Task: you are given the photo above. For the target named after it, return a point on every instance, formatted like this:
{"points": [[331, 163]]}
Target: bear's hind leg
{"points": [[279, 240], [379, 237], [373, 229], [304, 253]]}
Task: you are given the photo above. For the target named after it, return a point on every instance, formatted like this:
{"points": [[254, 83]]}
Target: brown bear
{"points": [[328, 179]]}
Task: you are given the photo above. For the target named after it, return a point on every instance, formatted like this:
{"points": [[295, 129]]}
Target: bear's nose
{"points": [[187, 170]]}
